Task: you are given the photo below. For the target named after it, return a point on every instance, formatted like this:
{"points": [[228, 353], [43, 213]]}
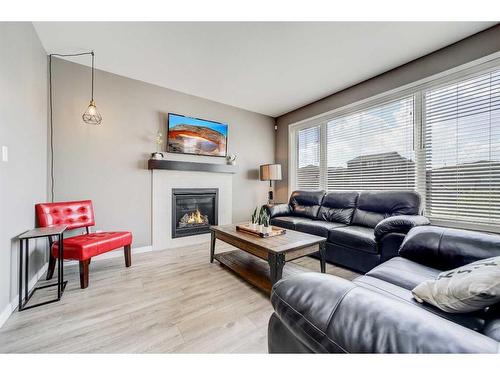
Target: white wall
{"points": [[23, 128], [108, 163]]}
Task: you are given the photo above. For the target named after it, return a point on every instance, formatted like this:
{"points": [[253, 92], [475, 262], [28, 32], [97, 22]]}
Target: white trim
{"points": [[292, 160], [5, 314], [12, 306]]}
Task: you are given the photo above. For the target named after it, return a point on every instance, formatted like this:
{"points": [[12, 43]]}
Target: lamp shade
{"points": [[270, 172]]}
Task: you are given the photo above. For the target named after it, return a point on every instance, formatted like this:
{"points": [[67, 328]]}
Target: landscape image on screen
{"points": [[190, 135]]}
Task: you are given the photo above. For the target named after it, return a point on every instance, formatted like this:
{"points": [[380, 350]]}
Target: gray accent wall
{"points": [[472, 48], [23, 129], [108, 163]]}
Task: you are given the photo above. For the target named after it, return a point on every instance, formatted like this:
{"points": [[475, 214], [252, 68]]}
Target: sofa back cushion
{"points": [[306, 203], [338, 206], [374, 206], [448, 248]]}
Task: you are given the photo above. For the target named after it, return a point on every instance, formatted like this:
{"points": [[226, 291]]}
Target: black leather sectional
{"points": [[362, 229], [376, 313]]}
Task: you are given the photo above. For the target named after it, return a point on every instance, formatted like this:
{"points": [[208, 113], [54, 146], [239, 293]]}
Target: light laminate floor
{"points": [[171, 301]]}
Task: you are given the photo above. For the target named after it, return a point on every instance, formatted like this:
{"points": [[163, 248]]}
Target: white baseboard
{"points": [[12, 306], [4, 315]]}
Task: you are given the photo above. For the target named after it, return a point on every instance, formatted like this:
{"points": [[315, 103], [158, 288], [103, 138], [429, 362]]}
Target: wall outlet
{"points": [[5, 153]]}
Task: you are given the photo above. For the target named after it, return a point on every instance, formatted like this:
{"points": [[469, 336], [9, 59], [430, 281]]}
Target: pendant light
{"points": [[92, 116]]}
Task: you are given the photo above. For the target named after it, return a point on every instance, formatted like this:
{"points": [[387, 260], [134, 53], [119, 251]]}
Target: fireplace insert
{"points": [[193, 211]]}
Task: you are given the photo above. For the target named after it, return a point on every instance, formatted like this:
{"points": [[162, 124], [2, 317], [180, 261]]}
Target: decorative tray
{"points": [[275, 231]]}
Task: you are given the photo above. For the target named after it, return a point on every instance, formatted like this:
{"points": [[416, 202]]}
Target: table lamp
{"points": [[270, 172]]}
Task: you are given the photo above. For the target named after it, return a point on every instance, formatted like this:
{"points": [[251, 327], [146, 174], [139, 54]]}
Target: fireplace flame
{"points": [[195, 217]]}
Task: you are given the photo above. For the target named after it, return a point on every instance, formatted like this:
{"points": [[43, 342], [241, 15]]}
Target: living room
{"points": [[183, 186]]}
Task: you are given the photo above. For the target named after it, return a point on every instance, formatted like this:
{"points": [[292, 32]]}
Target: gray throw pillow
{"points": [[468, 288]]}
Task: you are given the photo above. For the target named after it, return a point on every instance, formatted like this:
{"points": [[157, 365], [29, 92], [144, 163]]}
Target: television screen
{"points": [[188, 135]]}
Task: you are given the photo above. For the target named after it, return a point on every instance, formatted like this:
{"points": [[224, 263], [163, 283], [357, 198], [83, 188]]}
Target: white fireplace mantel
{"points": [[163, 181]]}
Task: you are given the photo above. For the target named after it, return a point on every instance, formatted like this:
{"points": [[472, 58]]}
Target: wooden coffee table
{"points": [[260, 261]]}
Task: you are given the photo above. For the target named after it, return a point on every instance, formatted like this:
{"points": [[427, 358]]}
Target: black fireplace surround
{"points": [[193, 211]]}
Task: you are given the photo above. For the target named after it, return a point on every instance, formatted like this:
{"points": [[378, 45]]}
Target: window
{"points": [[308, 175], [462, 149], [441, 138], [372, 149]]}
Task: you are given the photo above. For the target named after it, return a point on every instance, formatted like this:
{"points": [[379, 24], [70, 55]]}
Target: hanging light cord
{"points": [[51, 117], [92, 94]]}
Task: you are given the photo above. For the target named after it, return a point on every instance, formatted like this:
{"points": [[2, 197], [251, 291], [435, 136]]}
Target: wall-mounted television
{"points": [[189, 135]]}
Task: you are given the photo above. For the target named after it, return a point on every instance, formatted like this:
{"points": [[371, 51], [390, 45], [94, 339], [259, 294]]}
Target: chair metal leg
{"points": [[21, 275]]}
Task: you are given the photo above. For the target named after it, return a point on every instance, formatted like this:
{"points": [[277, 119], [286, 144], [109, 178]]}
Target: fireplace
{"points": [[193, 211]]}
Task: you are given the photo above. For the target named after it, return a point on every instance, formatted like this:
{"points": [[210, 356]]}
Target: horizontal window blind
{"points": [[372, 149], [462, 150], [308, 155]]}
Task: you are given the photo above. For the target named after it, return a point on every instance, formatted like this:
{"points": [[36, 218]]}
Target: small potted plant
{"points": [[266, 222], [255, 219], [262, 214]]}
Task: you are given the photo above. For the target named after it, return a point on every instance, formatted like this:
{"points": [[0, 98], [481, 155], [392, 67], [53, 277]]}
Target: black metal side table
{"points": [[24, 245]]}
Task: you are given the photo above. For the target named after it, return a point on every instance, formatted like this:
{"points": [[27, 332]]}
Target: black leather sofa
{"points": [[362, 229], [376, 313]]}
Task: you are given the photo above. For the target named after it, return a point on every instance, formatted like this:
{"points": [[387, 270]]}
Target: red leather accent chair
{"points": [[80, 214]]}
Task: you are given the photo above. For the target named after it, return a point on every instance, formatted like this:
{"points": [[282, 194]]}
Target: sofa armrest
{"points": [[399, 224], [330, 314], [274, 210]]}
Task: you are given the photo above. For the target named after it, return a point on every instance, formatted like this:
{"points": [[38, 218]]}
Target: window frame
{"points": [[416, 89]]}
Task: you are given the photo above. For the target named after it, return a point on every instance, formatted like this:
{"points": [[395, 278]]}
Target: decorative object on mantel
{"points": [[158, 141], [231, 159], [90, 116], [270, 172], [178, 165], [273, 231], [157, 156], [189, 135]]}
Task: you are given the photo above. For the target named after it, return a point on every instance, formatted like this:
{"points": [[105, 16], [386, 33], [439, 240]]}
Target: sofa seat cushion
{"points": [[317, 227], [87, 246], [403, 272], [474, 321], [288, 222], [354, 237]]}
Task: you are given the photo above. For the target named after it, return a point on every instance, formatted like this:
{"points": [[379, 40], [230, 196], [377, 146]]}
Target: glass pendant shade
{"points": [[92, 116]]}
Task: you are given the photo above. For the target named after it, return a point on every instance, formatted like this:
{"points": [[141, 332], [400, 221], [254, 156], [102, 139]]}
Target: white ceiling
{"points": [[270, 68]]}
